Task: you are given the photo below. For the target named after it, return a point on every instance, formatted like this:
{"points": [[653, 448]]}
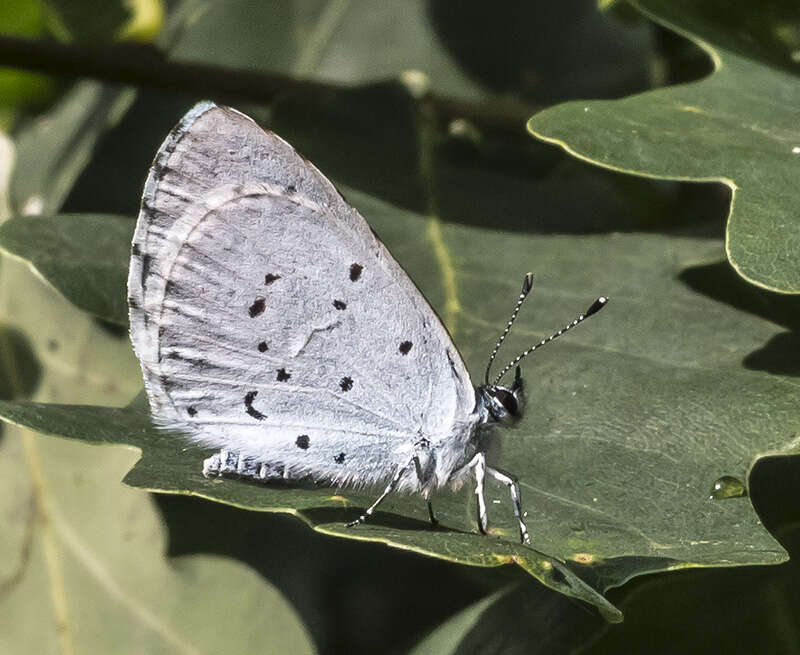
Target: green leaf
{"points": [[449, 637], [20, 370], [630, 419], [7, 160], [74, 20], [519, 619], [465, 178], [453, 45], [85, 257], [746, 610], [168, 465], [336, 41], [82, 566], [694, 609], [19, 89], [84, 572], [71, 20], [738, 126], [52, 151]]}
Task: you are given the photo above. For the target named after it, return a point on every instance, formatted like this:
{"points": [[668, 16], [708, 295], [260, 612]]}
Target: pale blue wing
{"points": [[270, 320]]}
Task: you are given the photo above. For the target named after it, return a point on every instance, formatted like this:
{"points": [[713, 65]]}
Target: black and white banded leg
{"points": [[513, 486], [479, 469], [390, 488]]}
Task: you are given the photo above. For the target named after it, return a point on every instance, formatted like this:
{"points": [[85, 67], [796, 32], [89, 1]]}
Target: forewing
{"points": [[269, 319]]}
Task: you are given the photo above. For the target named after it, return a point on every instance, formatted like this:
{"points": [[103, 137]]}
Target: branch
{"points": [[145, 66]]}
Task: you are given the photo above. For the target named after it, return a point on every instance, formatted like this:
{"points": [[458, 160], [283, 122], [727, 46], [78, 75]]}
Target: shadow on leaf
{"points": [[335, 515], [720, 282], [781, 354]]}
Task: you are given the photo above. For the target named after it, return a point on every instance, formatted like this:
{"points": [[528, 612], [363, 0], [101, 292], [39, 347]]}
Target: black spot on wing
{"points": [[283, 375], [269, 278], [248, 405], [257, 307], [136, 250], [339, 305], [355, 271], [263, 347], [405, 347], [339, 459], [132, 303], [346, 383], [191, 411], [291, 189], [302, 442]]}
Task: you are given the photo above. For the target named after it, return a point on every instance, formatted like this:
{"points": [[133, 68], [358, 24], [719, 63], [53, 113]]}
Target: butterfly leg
{"points": [[420, 478], [389, 489], [513, 485], [478, 466], [434, 520]]}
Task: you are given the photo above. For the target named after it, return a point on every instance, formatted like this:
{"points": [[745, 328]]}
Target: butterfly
{"points": [[273, 326]]}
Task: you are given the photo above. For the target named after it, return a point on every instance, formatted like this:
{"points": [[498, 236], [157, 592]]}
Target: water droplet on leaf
{"points": [[727, 487]]}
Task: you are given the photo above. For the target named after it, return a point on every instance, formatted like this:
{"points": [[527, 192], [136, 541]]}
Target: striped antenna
{"points": [[595, 307], [527, 285]]}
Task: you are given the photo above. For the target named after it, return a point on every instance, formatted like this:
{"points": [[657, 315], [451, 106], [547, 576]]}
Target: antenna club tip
{"points": [[527, 283], [597, 305]]}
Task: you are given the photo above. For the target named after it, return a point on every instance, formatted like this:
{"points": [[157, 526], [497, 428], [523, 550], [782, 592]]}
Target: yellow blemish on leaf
{"points": [[583, 558], [146, 21], [497, 532], [692, 109], [680, 566], [338, 499]]}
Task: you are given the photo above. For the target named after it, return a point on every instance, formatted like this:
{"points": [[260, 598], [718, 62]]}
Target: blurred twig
{"points": [[146, 66]]}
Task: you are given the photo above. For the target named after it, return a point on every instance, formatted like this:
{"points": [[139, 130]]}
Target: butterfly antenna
{"points": [[527, 285], [595, 307]]}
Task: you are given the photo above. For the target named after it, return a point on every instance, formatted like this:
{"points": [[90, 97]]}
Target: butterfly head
{"points": [[503, 404]]}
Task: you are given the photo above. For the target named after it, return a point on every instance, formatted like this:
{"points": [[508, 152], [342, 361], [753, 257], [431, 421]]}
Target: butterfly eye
{"points": [[508, 401], [502, 404]]}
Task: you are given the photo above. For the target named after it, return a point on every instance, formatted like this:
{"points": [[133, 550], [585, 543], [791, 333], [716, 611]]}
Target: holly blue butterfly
{"points": [[273, 326]]}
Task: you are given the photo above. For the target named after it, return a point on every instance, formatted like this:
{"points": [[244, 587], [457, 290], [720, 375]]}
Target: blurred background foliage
{"points": [[422, 104]]}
